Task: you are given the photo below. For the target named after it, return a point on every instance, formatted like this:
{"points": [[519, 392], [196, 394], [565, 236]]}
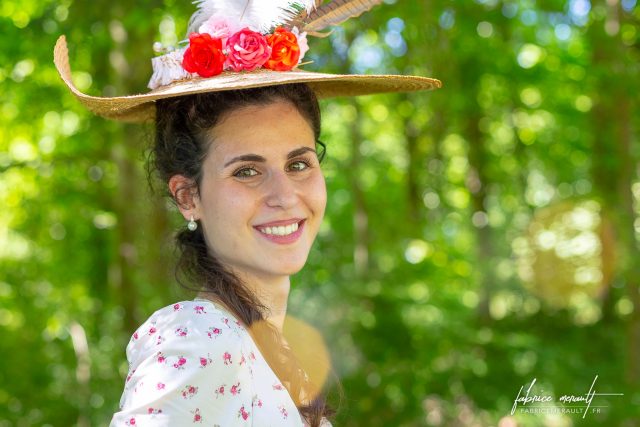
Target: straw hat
{"points": [[238, 34]]}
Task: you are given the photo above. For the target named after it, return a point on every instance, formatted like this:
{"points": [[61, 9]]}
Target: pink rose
{"points": [[217, 27], [247, 50]]}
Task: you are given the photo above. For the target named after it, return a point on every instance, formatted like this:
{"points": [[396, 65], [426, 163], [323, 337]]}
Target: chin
{"points": [[290, 271], [292, 267]]}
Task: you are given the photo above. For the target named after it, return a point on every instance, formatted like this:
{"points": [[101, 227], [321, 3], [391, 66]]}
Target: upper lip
{"points": [[283, 222]]}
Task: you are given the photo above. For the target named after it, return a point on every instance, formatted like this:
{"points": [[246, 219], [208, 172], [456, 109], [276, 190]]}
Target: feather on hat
{"points": [[241, 44]]}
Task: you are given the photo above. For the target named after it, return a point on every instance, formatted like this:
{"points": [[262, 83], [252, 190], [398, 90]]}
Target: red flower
{"points": [[285, 51], [204, 55]]}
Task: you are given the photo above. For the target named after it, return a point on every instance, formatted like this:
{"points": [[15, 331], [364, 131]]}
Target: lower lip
{"points": [[284, 240]]}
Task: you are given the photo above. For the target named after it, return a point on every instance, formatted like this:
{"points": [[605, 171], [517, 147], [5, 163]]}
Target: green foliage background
{"points": [[476, 237]]}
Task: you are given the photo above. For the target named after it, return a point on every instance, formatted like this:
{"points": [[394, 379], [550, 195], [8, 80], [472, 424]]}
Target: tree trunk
{"points": [[477, 182], [360, 212], [613, 164], [415, 164]]}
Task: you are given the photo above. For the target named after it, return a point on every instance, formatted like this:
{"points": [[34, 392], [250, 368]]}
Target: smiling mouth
{"points": [[281, 230]]}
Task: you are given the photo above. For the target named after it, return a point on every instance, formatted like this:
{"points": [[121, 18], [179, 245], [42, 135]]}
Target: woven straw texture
{"points": [[141, 108]]}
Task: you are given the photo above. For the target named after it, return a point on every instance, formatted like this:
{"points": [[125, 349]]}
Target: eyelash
{"points": [[306, 162]]}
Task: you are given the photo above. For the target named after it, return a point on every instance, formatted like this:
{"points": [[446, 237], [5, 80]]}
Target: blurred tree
{"points": [[614, 65], [443, 208]]}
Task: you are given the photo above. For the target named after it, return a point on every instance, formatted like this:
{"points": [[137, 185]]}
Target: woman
{"points": [[242, 165], [236, 129]]}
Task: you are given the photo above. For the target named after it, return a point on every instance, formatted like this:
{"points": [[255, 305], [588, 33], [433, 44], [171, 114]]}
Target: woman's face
{"points": [[261, 179]]}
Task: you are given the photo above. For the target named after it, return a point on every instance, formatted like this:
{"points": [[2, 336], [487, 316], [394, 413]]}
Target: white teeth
{"points": [[280, 230]]}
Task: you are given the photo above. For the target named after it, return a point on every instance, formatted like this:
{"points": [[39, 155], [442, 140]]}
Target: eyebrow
{"points": [[257, 158]]}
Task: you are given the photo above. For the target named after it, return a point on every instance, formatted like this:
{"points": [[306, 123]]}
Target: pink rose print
{"points": [[197, 418], [130, 375], [180, 363], [283, 411], [135, 335], [199, 309], [214, 332], [131, 422], [242, 413], [252, 356], [160, 340], [189, 391], [161, 358], [227, 358], [160, 386], [153, 411], [177, 307], [277, 387], [247, 50], [242, 360], [182, 332], [204, 361], [152, 330], [235, 389], [220, 391]]}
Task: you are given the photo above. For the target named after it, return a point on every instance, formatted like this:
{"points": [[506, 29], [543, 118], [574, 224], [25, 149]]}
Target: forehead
{"points": [[274, 127]]}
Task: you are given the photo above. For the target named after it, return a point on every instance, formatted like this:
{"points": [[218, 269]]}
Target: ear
{"points": [[185, 192]]}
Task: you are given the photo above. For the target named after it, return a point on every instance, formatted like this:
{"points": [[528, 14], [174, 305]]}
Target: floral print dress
{"points": [[193, 363]]}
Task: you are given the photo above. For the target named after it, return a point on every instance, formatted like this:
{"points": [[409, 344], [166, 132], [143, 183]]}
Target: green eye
{"points": [[245, 173], [299, 165]]}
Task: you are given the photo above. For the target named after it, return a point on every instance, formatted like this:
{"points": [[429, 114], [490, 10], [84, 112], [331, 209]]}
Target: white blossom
{"points": [[168, 69]]}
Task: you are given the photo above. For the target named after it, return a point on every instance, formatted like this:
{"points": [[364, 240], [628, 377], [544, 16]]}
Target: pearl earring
{"points": [[192, 225]]}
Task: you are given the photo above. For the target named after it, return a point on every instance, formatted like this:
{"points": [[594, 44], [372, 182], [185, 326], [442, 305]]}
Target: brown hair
{"points": [[180, 149]]}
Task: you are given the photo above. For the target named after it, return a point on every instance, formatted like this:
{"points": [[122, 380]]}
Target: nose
{"points": [[281, 191]]}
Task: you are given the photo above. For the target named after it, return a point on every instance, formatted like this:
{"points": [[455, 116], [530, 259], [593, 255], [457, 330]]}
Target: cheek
{"points": [[319, 194], [227, 211], [228, 205], [210, 199]]}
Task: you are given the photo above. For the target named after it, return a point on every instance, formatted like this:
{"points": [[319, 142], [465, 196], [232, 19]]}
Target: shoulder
{"points": [[186, 324], [192, 361], [188, 361]]}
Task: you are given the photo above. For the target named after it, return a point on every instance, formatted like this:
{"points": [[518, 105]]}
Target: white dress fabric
{"points": [[193, 363]]}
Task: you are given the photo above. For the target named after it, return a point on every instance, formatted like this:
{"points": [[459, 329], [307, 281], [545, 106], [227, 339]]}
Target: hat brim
{"points": [[141, 108]]}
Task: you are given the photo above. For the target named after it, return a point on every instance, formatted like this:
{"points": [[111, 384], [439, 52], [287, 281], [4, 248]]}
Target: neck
{"points": [[271, 292], [273, 295]]}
